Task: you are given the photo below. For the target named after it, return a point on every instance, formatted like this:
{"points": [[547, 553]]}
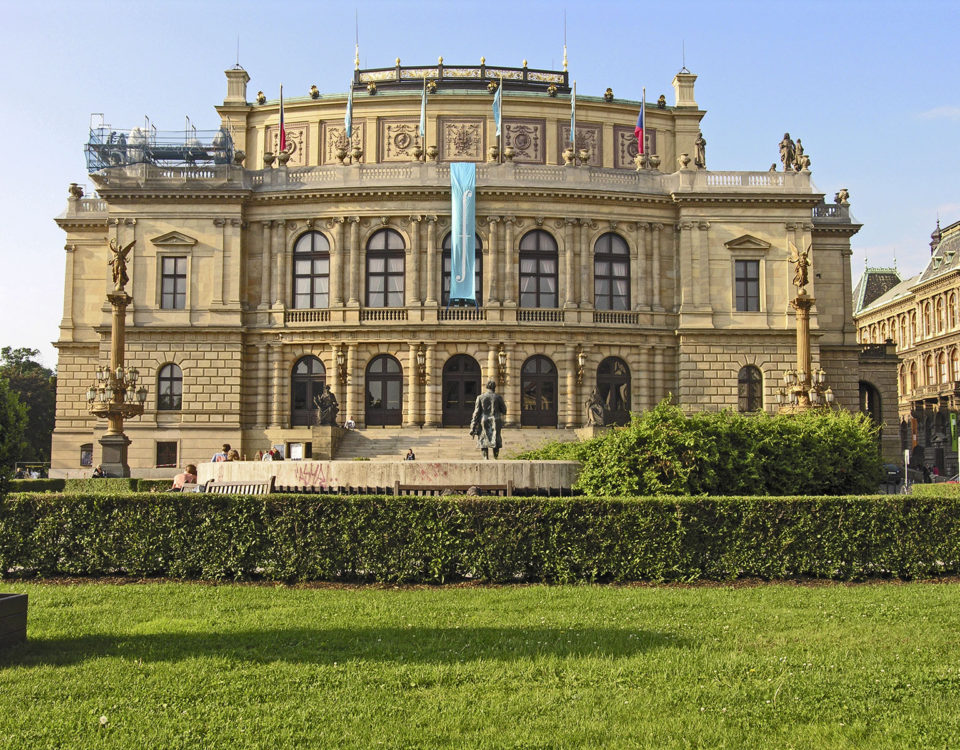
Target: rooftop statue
{"points": [[701, 156], [788, 152]]}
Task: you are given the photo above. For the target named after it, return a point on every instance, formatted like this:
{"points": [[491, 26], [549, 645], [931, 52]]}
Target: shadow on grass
{"points": [[326, 646]]}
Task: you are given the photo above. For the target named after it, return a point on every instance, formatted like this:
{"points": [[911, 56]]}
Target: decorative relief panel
{"points": [[461, 138], [399, 138], [625, 145], [528, 138], [588, 137], [335, 134], [296, 138]]}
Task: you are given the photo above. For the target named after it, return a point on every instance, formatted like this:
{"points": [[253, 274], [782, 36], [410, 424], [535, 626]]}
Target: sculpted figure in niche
{"points": [[487, 423], [788, 152], [119, 264], [327, 407]]}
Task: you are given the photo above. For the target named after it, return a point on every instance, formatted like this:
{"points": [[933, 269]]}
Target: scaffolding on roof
{"points": [[107, 147]]}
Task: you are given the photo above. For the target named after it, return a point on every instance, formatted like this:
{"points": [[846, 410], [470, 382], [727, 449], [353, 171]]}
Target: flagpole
{"points": [[500, 145]]}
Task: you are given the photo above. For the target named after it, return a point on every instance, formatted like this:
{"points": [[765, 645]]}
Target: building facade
{"points": [[920, 319], [259, 275]]}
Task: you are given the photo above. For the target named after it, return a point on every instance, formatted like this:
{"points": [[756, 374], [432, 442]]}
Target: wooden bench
{"points": [[264, 487], [503, 490]]}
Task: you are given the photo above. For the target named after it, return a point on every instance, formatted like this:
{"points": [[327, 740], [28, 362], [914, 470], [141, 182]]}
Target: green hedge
{"points": [[37, 485], [938, 489], [299, 538], [100, 486]]}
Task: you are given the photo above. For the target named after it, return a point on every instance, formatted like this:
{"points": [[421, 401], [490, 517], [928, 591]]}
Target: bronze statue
{"points": [[596, 412], [119, 263], [487, 422], [327, 407], [800, 278], [788, 152], [701, 156]]}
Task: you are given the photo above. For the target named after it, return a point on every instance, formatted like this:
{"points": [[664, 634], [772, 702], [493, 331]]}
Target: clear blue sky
{"points": [[872, 88]]}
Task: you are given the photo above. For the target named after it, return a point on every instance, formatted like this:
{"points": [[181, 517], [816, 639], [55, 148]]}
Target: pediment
{"points": [[174, 239], [748, 242]]}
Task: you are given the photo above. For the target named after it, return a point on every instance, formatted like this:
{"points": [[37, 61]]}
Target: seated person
{"points": [[233, 455], [188, 476], [98, 472], [410, 456], [350, 424]]}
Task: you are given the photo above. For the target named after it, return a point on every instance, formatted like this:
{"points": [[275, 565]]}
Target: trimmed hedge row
{"points": [[301, 538], [99, 486], [938, 489]]}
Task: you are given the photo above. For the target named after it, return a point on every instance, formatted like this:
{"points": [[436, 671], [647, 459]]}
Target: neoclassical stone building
{"points": [[258, 276], [920, 318]]}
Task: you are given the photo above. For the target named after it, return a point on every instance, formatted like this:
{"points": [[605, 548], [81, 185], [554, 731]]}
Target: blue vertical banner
{"points": [[463, 209]]}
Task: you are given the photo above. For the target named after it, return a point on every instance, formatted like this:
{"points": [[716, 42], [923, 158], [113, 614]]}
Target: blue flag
{"points": [[496, 106], [573, 116], [463, 198], [423, 109]]}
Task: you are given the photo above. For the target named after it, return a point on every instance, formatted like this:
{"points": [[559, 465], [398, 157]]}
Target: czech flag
{"points": [[639, 130], [283, 130]]}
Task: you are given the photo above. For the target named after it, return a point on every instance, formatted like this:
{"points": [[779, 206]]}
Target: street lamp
{"points": [[581, 361], [501, 365], [422, 363], [341, 365]]}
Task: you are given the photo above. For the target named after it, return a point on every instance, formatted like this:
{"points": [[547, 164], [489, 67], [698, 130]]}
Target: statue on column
{"points": [[788, 152], [119, 263], [802, 260], [327, 407], [487, 423]]}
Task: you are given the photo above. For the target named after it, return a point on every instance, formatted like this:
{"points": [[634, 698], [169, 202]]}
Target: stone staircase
{"points": [[438, 444]]}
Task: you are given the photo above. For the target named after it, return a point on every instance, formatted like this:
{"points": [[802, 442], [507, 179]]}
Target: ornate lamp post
{"points": [[803, 388], [501, 365], [114, 394]]}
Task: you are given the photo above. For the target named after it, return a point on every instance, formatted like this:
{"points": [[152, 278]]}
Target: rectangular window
{"points": [[166, 453], [173, 283], [747, 277]]}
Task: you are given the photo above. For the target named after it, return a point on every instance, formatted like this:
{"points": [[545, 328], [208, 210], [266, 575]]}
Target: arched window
{"points": [[927, 327], [904, 342], [86, 454], [955, 364], [883, 333], [311, 271], [306, 383], [942, 362], [384, 391], [913, 328], [477, 269], [902, 380], [940, 316], [611, 273], [538, 270], [749, 389], [169, 388], [913, 376], [538, 392], [613, 387], [385, 269], [931, 374], [952, 310]]}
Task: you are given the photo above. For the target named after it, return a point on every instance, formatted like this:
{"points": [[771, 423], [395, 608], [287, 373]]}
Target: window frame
{"points": [[738, 278], [607, 255], [446, 262], [176, 453], [175, 296], [386, 254], [311, 256], [539, 254], [176, 387], [749, 389]]}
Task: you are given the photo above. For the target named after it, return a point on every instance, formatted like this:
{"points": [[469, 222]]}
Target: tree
{"points": [[36, 388], [13, 422]]}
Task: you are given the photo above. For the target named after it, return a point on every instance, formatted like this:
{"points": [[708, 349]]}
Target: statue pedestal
{"points": [[113, 459], [590, 431], [326, 439]]}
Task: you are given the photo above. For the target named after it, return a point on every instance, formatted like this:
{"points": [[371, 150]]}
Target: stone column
{"points": [[642, 379], [493, 263], [67, 320], [219, 265], [355, 270], [355, 403], [491, 373], [336, 262], [569, 285], [413, 265], [571, 399], [265, 262], [511, 389], [233, 239], [432, 391], [640, 280], [276, 395], [263, 386], [279, 250], [586, 263], [658, 378], [432, 275], [701, 267], [410, 387], [286, 253], [509, 263], [655, 278], [686, 267]]}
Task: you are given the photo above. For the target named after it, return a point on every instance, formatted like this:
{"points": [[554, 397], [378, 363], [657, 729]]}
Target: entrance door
{"points": [[305, 384], [613, 385], [538, 385], [461, 386], [384, 391]]}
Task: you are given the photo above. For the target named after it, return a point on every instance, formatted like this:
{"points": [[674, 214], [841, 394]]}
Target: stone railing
{"points": [[831, 213], [616, 317], [306, 316], [461, 313], [539, 316], [383, 314]]}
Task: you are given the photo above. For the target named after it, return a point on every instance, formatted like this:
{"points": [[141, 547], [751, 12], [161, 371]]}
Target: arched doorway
{"points": [[613, 385], [461, 386], [538, 387], [384, 391], [306, 383]]}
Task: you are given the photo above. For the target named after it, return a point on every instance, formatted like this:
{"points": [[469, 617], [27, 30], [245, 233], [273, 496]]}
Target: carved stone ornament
{"points": [[335, 140], [461, 139], [76, 191], [399, 139], [527, 138], [625, 146], [297, 143], [588, 137], [684, 160]]}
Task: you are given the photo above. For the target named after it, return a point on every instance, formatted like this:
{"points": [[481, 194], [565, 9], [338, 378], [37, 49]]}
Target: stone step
{"points": [[437, 444]]}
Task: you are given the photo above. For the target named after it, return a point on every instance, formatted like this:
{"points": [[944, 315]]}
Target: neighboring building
{"points": [[254, 285], [920, 318]]}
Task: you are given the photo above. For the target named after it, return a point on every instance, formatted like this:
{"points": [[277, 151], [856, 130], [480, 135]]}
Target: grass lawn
{"points": [[167, 665]]}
